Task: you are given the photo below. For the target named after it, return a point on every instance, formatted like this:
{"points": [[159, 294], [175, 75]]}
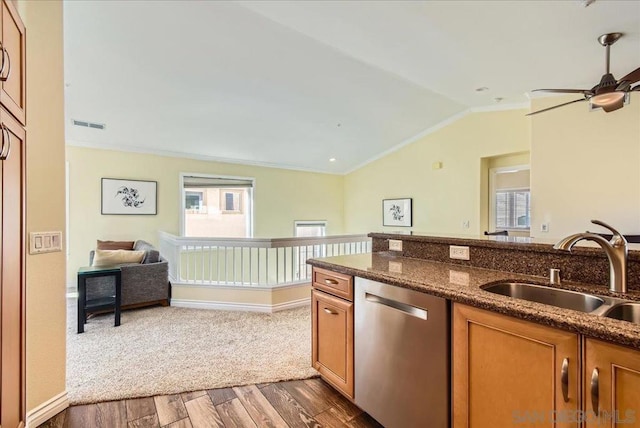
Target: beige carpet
{"points": [[166, 350]]}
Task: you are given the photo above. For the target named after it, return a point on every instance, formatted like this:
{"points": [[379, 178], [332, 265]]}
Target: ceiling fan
{"points": [[610, 94]]}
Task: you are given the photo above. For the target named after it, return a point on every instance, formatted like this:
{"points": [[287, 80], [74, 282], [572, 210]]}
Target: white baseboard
{"points": [[250, 307], [47, 410]]}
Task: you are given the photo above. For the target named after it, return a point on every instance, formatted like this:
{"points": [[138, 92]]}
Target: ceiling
{"points": [[293, 84]]}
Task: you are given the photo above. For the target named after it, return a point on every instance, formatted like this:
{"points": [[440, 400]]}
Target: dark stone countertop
{"points": [[462, 284], [518, 243]]}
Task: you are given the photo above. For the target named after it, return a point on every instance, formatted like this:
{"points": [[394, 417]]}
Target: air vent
{"points": [[88, 124]]}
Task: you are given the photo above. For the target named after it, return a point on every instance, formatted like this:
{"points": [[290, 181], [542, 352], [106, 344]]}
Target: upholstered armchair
{"points": [[143, 284]]}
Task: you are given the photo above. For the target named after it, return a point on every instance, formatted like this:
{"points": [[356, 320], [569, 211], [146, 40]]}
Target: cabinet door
{"points": [[12, 92], [612, 385], [508, 372], [332, 340], [12, 408]]}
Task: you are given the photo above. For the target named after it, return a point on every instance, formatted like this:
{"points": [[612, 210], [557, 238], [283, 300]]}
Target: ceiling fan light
{"points": [[607, 99]]}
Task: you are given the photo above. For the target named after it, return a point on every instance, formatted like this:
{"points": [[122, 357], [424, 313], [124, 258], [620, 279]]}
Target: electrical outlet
{"points": [[465, 224], [544, 227], [395, 245], [457, 277], [458, 252], [395, 267]]}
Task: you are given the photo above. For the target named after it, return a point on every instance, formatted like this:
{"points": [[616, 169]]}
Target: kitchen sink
{"points": [[625, 312], [565, 299]]}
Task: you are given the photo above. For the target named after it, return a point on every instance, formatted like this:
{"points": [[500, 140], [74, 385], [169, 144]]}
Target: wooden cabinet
{"points": [[12, 61], [332, 331], [12, 217], [611, 385], [509, 372], [12, 291]]}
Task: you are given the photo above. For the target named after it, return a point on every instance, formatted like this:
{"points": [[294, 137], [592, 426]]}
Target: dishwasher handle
{"points": [[400, 306]]}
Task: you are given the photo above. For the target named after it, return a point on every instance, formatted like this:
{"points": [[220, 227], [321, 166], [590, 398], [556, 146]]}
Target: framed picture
{"points": [[129, 197], [396, 212]]}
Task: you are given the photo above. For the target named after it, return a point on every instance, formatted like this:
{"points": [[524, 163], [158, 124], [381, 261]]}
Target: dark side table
{"points": [[107, 302]]}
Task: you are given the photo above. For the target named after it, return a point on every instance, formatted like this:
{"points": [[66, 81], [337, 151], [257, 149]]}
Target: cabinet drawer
{"points": [[334, 283]]}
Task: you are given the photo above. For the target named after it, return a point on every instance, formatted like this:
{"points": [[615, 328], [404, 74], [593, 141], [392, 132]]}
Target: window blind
{"points": [[194, 182]]}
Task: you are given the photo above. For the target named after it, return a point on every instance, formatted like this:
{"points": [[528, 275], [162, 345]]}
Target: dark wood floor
{"points": [[300, 403]]}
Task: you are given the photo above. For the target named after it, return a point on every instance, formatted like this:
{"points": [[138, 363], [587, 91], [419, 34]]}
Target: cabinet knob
{"points": [[330, 311], [330, 281]]}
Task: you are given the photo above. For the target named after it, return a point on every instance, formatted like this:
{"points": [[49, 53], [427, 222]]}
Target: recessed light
{"points": [[332, 159], [482, 89]]}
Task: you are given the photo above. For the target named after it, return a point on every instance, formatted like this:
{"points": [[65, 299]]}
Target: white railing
{"points": [[262, 262]]}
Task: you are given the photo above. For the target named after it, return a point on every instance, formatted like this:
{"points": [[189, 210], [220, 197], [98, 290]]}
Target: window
{"points": [[513, 209], [310, 228], [231, 201], [510, 205], [194, 201], [208, 201]]}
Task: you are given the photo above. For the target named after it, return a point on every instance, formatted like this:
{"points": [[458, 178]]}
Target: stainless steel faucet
{"points": [[616, 250]]}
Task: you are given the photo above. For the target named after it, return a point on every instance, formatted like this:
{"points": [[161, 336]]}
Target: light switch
{"points": [[45, 242]]}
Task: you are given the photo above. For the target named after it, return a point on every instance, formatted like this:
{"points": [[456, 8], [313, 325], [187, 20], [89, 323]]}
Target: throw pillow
{"points": [[115, 245], [116, 257]]}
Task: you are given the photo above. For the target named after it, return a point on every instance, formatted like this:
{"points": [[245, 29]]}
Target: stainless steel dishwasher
{"points": [[401, 355]]}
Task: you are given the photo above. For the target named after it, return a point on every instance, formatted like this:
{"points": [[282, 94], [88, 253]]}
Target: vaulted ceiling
{"points": [[295, 83]]}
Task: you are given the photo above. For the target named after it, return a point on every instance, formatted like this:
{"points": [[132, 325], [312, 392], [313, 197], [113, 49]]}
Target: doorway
{"points": [[506, 194]]}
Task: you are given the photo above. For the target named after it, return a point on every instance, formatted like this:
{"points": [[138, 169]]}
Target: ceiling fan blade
{"points": [[566, 91], [554, 107], [623, 86], [632, 77], [613, 107]]}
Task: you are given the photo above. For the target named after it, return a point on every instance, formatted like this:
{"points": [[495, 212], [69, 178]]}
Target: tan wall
{"points": [[442, 198], [280, 197], [46, 305], [585, 165], [242, 296]]}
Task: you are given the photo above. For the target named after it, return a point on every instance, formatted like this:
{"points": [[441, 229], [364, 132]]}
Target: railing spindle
{"points": [[210, 263], [202, 265], [250, 265]]}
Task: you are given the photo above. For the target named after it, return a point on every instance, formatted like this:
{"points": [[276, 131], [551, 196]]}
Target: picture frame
{"points": [[129, 197], [397, 212]]}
